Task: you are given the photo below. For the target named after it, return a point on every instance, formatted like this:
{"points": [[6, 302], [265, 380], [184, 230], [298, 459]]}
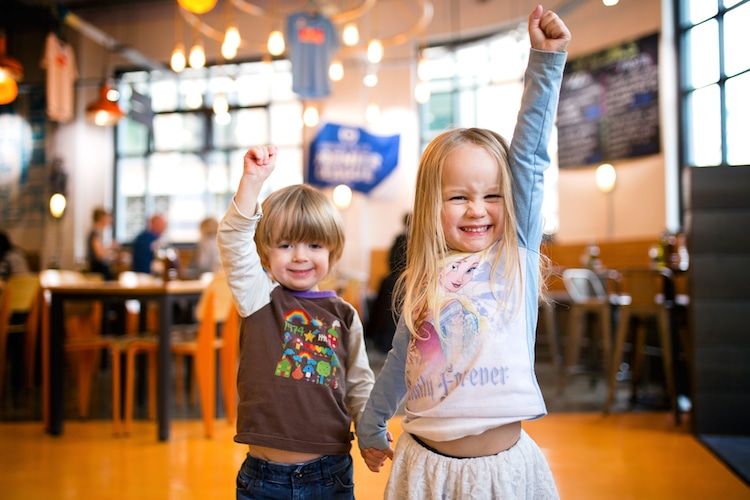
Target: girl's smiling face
{"points": [[473, 213]]}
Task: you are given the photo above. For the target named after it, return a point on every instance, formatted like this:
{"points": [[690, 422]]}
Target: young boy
{"points": [[304, 374]]}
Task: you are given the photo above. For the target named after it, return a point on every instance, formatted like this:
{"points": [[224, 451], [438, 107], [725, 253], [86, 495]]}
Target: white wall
{"points": [[372, 222]]}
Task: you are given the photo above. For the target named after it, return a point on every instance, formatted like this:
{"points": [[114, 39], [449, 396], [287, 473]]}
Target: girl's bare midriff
{"points": [[281, 456], [490, 442]]}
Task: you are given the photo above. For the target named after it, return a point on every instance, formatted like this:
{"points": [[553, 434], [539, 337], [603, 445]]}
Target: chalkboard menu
{"points": [[609, 105]]}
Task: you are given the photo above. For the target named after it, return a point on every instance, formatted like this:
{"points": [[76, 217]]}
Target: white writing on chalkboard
{"points": [[609, 105]]}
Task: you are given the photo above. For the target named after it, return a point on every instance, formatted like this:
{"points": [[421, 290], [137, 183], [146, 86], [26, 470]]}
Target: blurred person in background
{"points": [[147, 242], [12, 260], [98, 254]]}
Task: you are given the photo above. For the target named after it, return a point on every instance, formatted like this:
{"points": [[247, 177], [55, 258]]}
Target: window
{"points": [[186, 159], [715, 82], [479, 84]]}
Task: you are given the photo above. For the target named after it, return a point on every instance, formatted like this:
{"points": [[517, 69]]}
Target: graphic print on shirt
{"points": [[308, 353], [470, 319]]}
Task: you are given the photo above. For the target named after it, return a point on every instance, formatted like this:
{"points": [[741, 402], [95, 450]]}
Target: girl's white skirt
{"points": [[520, 472]]}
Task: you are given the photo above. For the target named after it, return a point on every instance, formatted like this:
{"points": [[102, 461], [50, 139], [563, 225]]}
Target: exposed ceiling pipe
{"points": [[113, 45]]}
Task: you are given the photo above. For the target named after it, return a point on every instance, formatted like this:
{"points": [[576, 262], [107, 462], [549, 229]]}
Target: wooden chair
{"points": [[83, 342], [230, 335], [643, 301], [16, 296], [588, 296], [201, 344]]}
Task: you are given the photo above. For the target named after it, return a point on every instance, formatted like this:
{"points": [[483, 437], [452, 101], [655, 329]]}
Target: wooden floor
{"points": [[623, 456]]}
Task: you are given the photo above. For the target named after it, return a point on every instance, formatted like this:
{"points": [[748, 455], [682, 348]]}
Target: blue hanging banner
{"points": [[350, 155]]}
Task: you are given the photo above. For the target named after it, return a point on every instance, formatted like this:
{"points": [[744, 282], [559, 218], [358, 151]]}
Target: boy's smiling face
{"points": [[473, 214], [298, 265]]}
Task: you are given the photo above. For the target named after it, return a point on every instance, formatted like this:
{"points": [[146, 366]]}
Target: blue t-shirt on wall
{"points": [[312, 39]]}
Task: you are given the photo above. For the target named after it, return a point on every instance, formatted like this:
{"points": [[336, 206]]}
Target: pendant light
{"points": [[11, 72], [105, 111], [197, 6]]}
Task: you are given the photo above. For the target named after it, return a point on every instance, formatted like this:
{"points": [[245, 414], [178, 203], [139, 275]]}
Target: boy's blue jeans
{"points": [[328, 477]]}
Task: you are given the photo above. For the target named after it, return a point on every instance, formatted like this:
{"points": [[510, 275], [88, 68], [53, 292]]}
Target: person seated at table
{"points": [[206, 257], [147, 242], [12, 260], [304, 373], [99, 255]]}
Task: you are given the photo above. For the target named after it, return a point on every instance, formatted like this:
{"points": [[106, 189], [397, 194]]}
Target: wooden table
{"points": [[114, 292]]}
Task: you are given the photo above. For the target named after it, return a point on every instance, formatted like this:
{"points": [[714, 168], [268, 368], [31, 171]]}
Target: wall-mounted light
{"points": [[610, 3], [342, 196], [606, 177], [57, 204]]}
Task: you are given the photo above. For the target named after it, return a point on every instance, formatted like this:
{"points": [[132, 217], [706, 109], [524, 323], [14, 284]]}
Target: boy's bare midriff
{"points": [[490, 442], [281, 456]]}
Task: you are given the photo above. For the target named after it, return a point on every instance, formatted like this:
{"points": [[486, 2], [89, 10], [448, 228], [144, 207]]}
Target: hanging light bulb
{"points": [[310, 117], [232, 36], [336, 71], [370, 79], [350, 35], [375, 51], [197, 6], [422, 92], [221, 105], [276, 44], [197, 58], [177, 62], [228, 51]]}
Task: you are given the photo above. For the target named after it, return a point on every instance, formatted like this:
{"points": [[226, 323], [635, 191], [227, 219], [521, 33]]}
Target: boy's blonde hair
{"points": [[417, 287], [299, 213]]}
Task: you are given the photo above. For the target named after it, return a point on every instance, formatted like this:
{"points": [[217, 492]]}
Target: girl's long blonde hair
{"points": [[417, 287]]}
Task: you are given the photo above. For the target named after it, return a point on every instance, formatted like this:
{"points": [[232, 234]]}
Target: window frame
{"points": [[206, 153], [683, 26]]}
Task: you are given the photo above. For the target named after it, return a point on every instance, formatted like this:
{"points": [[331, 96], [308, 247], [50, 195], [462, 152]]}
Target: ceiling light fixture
{"points": [[197, 6], [11, 72], [104, 111]]}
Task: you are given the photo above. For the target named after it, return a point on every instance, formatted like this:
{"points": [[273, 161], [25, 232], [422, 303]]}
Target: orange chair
{"points": [[644, 288], [201, 345], [16, 296], [84, 341], [230, 335]]}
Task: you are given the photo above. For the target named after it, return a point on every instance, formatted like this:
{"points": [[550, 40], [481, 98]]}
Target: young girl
{"points": [[304, 374], [463, 354]]}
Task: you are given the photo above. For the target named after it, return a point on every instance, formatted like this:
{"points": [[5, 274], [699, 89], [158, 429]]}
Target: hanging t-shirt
{"points": [[312, 39], [60, 63]]}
